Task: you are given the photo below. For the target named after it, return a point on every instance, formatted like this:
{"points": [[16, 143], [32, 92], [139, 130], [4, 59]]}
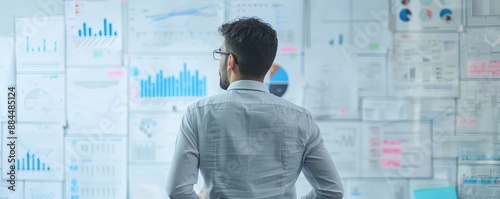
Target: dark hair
{"points": [[254, 44]]}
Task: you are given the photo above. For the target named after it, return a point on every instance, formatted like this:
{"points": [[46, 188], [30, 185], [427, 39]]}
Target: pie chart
{"points": [[425, 14], [446, 14], [405, 15], [277, 80]]}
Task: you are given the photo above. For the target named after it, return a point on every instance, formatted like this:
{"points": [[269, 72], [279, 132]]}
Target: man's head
{"points": [[248, 50]]}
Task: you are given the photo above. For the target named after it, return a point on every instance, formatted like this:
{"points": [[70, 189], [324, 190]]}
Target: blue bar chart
{"points": [[106, 31], [43, 48], [170, 83], [186, 84], [31, 163]]}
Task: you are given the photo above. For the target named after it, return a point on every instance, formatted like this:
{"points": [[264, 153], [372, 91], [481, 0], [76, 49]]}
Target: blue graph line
{"points": [[194, 11]]}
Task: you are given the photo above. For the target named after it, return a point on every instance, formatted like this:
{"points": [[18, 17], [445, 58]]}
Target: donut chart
{"points": [[425, 14], [405, 15], [277, 81], [446, 15]]}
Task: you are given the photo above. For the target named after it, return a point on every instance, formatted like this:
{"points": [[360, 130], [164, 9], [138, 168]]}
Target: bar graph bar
{"points": [[107, 31], [42, 49], [31, 163], [186, 84]]}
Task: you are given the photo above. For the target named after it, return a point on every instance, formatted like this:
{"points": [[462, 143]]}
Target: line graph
{"points": [[343, 139], [347, 137], [204, 11], [173, 26]]}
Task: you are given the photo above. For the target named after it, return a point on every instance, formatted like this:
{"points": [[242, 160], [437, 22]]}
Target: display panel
{"points": [[401, 90]]}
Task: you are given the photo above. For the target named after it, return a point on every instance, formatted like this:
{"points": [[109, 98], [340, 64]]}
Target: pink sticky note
{"points": [[392, 151], [495, 68], [289, 50], [477, 68], [387, 163], [392, 142], [115, 73]]}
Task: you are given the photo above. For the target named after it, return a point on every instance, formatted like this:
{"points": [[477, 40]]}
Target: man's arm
{"points": [[183, 173], [320, 170]]}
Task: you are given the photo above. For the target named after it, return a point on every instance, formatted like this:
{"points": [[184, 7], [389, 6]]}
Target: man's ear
{"points": [[231, 64]]}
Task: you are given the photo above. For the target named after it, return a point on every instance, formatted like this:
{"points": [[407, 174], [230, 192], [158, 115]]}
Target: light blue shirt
{"points": [[248, 143]]}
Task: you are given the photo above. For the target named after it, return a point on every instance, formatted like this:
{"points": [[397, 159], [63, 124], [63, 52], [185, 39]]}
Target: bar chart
{"points": [[170, 83], [43, 51], [94, 32], [187, 84], [45, 47], [106, 31], [30, 162], [39, 152]]}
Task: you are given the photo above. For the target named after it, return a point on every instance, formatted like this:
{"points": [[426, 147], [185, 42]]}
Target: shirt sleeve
{"points": [[319, 169], [183, 173]]}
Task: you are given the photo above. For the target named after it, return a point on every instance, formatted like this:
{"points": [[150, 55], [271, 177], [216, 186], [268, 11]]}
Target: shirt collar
{"points": [[248, 85]]}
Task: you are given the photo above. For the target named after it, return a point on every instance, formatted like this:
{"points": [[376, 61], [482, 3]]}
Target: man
{"points": [[246, 142]]}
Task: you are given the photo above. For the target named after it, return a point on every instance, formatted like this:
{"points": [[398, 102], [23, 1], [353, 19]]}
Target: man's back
{"points": [[252, 144]]}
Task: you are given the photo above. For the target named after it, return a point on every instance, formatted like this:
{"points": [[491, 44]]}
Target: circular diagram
{"points": [[405, 15], [277, 80], [446, 15], [425, 14]]}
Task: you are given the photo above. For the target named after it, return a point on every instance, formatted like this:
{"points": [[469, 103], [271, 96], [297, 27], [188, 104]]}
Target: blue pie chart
{"points": [[278, 82], [446, 14], [405, 15]]}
